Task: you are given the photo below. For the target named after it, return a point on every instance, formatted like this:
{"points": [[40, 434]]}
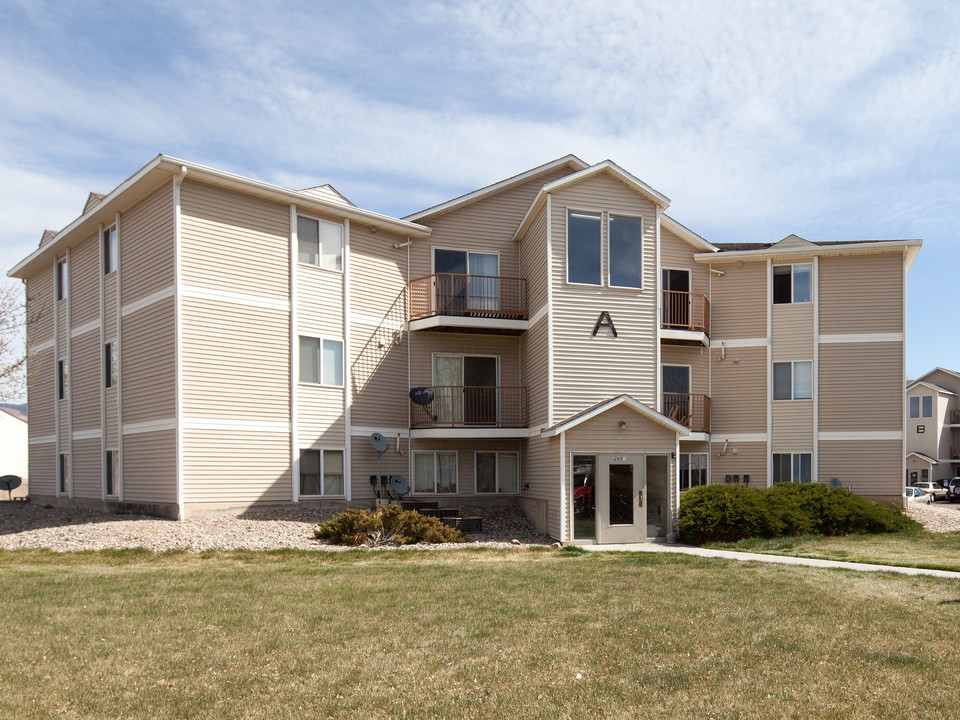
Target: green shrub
{"points": [[727, 513], [387, 525]]}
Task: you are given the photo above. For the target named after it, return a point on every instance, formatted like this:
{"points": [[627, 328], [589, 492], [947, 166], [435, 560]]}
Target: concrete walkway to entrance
{"points": [[760, 557]]}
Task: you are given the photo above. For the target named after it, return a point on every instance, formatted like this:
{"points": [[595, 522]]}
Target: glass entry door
{"points": [[465, 388], [676, 297], [621, 505], [676, 393]]}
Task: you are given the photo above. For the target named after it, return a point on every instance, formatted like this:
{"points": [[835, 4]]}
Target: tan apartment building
{"points": [[205, 342], [933, 426]]}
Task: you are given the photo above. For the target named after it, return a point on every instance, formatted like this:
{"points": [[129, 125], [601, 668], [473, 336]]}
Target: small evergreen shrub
{"points": [[387, 525], [727, 513]]}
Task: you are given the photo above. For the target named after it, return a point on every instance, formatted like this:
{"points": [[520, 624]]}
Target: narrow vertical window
{"points": [[781, 284], [63, 473], [309, 360], [62, 379], [332, 362], [110, 473], [626, 251], [333, 472], [801, 283], [915, 407], [584, 247], [109, 365], [781, 381], [927, 406], [802, 380], [308, 241], [62, 279], [109, 250]]}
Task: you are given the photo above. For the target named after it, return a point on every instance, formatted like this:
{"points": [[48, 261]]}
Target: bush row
{"points": [[387, 525], [727, 513]]}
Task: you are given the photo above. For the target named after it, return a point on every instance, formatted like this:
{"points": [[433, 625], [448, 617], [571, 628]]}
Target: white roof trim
{"points": [[685, 233], [607, 166], [496, 187], [912, 247], [926, 458], [935, 388], [602, 407], [931, 372]]}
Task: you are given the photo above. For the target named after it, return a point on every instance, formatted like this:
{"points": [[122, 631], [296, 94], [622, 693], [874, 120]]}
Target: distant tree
{"points": [[13, 355]]}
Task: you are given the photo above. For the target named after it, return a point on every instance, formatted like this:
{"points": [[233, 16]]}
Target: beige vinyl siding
{"points": [[364, 461], [739, 391], [236, 361], [926, 442], [697, 358], [85, 281], [792, 332], [377, 272], [751, 460], [534, 367], [540, 468], [228, 466], [146, 246], [233, 242], [425, 344], [147, 357], [319, 302], [738, 301], [150, 466], [861, 386], [793, 426], [678, 254], [486, 225], [630, 360], [43, 469], [533, 261], [87, 381], [320, 419], [870, 468], [941, 417], [86, 465], [40, 300], [42, 393], [466, 450], [861, 294], [378, 378]]}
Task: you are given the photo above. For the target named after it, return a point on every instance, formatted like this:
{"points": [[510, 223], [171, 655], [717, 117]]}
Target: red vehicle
{"points": [[582, 491]]}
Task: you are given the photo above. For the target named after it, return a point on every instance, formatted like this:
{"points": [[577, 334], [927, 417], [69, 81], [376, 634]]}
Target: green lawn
{"points": [[468, 634], [939, 551]]}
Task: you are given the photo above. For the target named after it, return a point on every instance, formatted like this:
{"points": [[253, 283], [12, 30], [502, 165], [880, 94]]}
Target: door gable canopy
{"points": [[605, 405]]}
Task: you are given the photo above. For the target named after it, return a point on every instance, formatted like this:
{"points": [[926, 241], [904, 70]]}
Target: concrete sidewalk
{"points": [[779, 559]]}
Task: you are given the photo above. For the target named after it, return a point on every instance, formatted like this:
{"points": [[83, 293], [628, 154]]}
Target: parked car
{"points": [[915, 494], [582, 492], [953, 490], [935, 488]]}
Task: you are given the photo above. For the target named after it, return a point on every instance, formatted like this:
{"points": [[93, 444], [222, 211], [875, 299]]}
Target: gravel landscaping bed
{"points": [[936, 518], [26, 525]]}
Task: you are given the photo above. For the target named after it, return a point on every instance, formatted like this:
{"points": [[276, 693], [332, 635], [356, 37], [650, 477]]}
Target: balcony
{"points": [[692, 411], [685, 318], [471, 411], [469, 303]]}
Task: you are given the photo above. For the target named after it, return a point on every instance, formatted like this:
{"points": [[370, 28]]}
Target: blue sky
{"points": [[834, 121]]}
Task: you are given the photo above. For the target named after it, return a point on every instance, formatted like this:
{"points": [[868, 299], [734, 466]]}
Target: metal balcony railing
{"points": [[692, 411], [472, 406], [482, 296], [685, 311]]}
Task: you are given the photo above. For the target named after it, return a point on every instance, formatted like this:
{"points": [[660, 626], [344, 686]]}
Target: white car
{"points": [[934, 489], [915, 494]]}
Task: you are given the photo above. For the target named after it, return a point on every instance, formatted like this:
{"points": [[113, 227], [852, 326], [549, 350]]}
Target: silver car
{"points": [[936, 489]]}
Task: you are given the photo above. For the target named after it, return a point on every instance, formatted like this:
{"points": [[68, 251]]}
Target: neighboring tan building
{"points": [[13, 449], [933, 426], [208, 342]]}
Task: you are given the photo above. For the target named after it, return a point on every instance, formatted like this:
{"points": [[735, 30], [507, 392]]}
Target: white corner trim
{"points": [[93, 434], [237, 424], [257, 301], [85, 328], [150, 426], [143, 302], [861, 338], [861, 435]]}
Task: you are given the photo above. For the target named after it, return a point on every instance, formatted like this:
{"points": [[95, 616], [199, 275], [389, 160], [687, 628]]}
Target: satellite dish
{"points": [[422, 395], [10, 482], [399, 484], [378, 442]]}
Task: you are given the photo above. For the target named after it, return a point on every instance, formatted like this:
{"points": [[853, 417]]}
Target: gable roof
{"points": [[926, 458], [604, 405], [571, 161], [936, 369], [93, 199], [800, 248], [936, 388], [327, 192], [13, 412]]}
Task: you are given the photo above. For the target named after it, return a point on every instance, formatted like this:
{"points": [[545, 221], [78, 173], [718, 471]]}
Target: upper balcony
{"points": [[469, 303], [685, 318], [688, 409], [470, 411]]}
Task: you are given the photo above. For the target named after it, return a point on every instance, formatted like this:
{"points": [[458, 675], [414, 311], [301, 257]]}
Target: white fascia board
{"points": [[935, 388], [638, 407], [793, 253], [686, 234], [496, 187]]}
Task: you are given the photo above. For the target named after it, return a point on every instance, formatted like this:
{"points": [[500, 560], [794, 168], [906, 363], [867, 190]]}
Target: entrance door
{"points": [[676, 393], [676, 305], [621, 505], [658, 494]]}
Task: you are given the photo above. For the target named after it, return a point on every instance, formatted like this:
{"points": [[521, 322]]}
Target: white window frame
{"points": [[792, 465], [496, 479], [466, 251], [114, 454], [793, 283], [320, 383], [643, 267], [686, 464], [924, 413], [434, 453], [566, 241], [793, 377], [111, 250], [321, 450], [343, 237], [914, 413]]}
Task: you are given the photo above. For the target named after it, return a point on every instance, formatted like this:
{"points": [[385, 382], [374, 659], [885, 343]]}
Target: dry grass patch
{"points": [[466, 634]]}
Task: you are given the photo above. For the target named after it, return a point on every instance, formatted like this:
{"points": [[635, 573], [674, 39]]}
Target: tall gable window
{"points": [[791, 284], [626, 251], [584, 247], [109, 250], [320, 243]]}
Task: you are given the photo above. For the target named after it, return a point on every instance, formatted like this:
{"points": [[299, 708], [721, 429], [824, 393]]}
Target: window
{"points": [[63, 473], [321, 361], [109, 250], [793, 381], [926, 404], [321, 472], [915, 407], [320, 243], [792, 467], [62, 280], [435, 472], [497, 472], [111, 472], [62, 379], [626, 251], [924, 475], [693, 470], [584, 247], [109, 364], [791, 284]]}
